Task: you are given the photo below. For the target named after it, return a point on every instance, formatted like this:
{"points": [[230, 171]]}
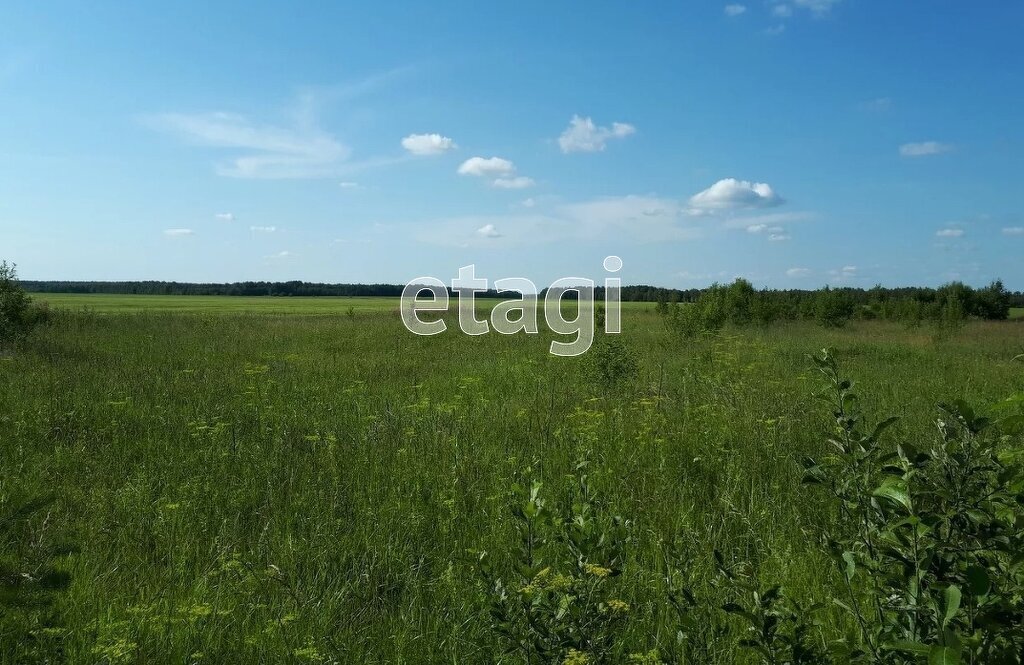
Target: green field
{"points": [[254, 487], [101, 302], [1017, 313]]}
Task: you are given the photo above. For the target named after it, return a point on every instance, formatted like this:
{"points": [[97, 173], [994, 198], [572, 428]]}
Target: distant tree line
{"points": [[788, 303], [740, 303]]}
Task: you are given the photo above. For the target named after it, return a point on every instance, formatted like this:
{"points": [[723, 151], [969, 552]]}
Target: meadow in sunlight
{"points": [[219, 486]]}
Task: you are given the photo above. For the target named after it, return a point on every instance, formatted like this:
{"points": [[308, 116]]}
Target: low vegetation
{"points": [[215, 486]]}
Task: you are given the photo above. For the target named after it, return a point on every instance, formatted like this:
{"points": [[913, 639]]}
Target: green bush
{"points": [[17, 313]]}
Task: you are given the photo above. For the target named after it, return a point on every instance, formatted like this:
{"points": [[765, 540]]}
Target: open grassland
{"points": [[107, 303], [265, 488], [1017, 313]]}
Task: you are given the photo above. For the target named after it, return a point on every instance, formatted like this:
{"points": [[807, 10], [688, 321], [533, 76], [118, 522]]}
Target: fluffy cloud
{"points": [[502, 170], [487, 167], [949, 233], [1013, 231], [178, 233], [225, 216], [428, 144], [798, 272], [583, 135], [778, 237], [349, 185], [924, 149], [269, 151], [734, 10], [732, 194], [782, 11], [488, 231], [519, 182], [263, 229]]}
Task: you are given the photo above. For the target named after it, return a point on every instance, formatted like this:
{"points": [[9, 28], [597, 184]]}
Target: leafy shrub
{"points": [[610, 364], [17, 314], [929, 540], [557, 601]]}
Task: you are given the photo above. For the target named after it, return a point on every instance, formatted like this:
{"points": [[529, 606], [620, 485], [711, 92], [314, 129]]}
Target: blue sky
{"points": [[795, 143]]}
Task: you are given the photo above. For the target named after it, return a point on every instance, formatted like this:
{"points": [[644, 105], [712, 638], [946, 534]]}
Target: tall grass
{"points": [[265, 488]]}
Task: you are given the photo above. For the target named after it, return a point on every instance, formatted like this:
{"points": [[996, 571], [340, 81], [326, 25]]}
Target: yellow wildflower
{"points": [[596, 571]]}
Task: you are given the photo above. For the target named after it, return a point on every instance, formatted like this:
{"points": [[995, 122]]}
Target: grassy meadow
{"points": [[245, 480]]}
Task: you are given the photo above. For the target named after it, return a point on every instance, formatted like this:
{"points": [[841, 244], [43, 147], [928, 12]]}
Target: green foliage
{"points": [[15, 312], [558, 599], [299, 487], [610, 364], [930, 538]]}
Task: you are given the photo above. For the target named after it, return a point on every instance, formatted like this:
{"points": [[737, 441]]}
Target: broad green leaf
{"points": [[950, 604], [895, 490], [940, 655]]}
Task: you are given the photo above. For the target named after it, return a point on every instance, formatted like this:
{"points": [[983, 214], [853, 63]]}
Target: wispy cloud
{"points": [[625, 219], [518, 182], [263, 229], [428, 144], [583, 135], [735, 10], [816, 7], [347, 184], [178, 233], [798, 272], [269, 151], [1013, 231], [950, 233], [225, 216], [877, 105], [924, 149]]}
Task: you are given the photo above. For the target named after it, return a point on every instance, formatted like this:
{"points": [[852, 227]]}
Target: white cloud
{"points": [[528, 203], [924, 149], [1013, 231], [845, 271], [775, 30], [488, 231], [949, 233], [225, 216], [263, 229], [349, 185], [178, 233], [487, 167], [782, 11], [428, 144], [268, 151], [778, 237], [798, 272], [518, 182], [734, 10], [583, 135], [732, 194], [281, 255]]}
